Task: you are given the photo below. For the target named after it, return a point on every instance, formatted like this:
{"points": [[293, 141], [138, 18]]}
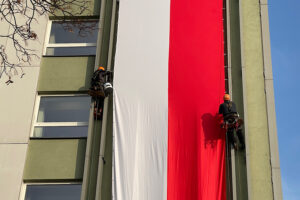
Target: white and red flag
{"points": [[169, 82]]}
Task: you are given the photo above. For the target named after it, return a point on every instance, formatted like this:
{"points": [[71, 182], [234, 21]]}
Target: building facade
{"points": [[53, 147]]}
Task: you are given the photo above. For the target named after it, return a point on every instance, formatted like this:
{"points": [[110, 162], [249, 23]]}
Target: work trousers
{"points": [[236, 140]]}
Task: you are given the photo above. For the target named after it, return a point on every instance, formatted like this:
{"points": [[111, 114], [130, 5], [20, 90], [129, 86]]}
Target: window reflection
{"points": [[60, 132], [70, 51], [53, 192], [64, 109], [74, 32], [74, 38]]}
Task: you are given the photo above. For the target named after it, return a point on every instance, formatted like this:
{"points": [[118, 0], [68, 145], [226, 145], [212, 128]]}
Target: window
{"points": [[61, 116], [77, 38], [52, 192]]}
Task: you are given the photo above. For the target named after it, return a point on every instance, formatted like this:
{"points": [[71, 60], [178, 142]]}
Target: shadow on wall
{"points": [[80, 158], [212, 130], [89, 73], [96, 6]]}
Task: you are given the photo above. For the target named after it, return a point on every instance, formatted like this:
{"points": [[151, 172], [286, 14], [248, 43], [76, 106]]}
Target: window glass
{"points": [[64, 109], [62, 117], [74, 38], [70, 51], [53, 192], [60, 131], [74, 32]]}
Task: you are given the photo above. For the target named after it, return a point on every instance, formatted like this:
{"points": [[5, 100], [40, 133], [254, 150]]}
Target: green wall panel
{"points": [[107, 168], [103, 58], [62, 74], [94, 160], [55, 159], [237, 95], [92, 174]]}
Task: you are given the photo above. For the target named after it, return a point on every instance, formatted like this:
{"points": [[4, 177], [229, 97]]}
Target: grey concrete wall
{"points": [[269, 88], [258, 103], [12, 158], [16, 109]]}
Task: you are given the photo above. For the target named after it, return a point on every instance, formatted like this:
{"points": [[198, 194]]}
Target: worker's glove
{"points": [[220, 120]]}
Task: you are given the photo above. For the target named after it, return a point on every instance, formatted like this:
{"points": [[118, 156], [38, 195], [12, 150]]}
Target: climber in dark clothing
{"points": [[232, 122], [228, 108], [100, 88], [100, 83]]}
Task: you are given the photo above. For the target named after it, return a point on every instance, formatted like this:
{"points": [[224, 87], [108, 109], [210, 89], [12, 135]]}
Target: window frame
{"points": [[24, 185], [62, 45], [53, 124]]}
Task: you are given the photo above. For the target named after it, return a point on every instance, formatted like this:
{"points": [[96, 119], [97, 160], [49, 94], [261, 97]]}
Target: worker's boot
{"points": [[240, 136], [242, 146]]}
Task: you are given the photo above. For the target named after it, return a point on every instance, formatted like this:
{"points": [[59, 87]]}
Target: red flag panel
{"points": [[196, 143]]}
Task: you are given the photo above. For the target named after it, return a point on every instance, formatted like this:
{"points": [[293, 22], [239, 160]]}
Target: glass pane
{"points": [[60, 132], [64, 109], [74, 32], [71, 51], [53, 192]]}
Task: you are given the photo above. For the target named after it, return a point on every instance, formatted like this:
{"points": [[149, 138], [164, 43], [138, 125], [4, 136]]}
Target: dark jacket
{"points": [[99, 76], [228, 107]]}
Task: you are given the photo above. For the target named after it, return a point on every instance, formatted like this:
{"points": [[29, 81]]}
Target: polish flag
{"points": [[169, 82]]}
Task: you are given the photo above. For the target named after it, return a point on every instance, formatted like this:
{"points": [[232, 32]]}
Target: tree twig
{"points": [[20, 15]]}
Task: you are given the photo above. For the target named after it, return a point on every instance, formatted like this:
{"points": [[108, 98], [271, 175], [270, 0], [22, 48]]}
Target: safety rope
{"points": [[95, 116], [239, 168], [223, 60], [227, 160]]}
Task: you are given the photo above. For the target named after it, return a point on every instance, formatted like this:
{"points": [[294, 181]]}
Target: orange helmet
{"points": [[101, 68], [226, 97]]}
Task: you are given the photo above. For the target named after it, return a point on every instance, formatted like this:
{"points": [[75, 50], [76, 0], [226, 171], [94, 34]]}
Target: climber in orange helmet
{"points": [[232, 122], [101, 81]]}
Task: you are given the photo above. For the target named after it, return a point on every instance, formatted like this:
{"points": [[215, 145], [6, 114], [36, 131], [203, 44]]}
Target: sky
{"points": [[284, 18]]}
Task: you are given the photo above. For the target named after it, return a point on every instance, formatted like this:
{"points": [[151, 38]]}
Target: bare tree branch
{"points": [[20, 15]]}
